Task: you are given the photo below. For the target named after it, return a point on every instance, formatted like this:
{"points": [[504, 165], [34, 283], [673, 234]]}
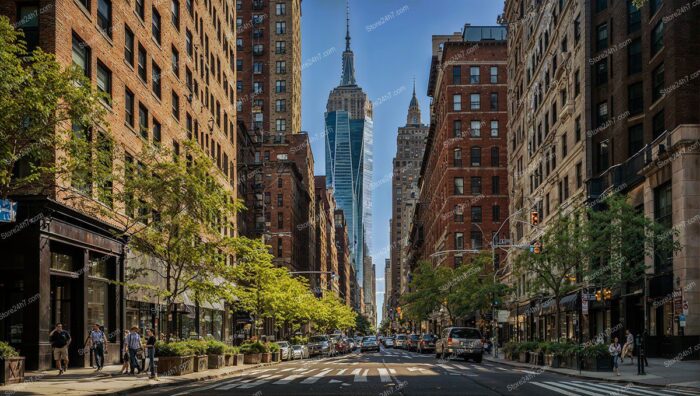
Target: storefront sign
{"points": [[8, 211], [503, 315]]}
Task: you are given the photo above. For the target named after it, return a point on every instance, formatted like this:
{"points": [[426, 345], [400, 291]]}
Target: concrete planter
{"points": [[522, 357], [228, 359], [599, 363], [201, 363], [11, 370], [216, 361], [554, 361], [238, 359], [175, 365], [276, 356], [252, 358], [266, 357]]}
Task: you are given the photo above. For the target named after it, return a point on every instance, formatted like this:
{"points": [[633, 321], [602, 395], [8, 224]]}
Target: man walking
{"points": [[98, 341], [60, 340], [133, 342]]}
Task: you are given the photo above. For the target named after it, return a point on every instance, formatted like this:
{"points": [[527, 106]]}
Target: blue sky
{"points": [[391, 40]]}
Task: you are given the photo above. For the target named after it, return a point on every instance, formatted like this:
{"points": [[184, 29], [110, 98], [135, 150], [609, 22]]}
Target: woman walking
{"points": [[151, 352], [125, 355], [615, 350], [628, 348]]}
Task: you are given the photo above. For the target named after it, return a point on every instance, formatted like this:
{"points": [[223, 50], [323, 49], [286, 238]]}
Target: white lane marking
{"points": [[360, 377], [287, 369], [384, 375], [287, 380], [459, 366], [393, 371], [560, 391], [611, 388], [501, 368], [258, 382], [341, 372], [209, 387], [574, 387], [316, 377], [231, 386], [333, 381], [481, 368]]}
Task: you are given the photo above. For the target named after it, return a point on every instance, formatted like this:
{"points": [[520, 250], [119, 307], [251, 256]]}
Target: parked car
{"points": [[464, 342], [339, 346], [426, 343], [285, 350], [299, 352], [369, 343], [412, 342], [400, 341], [351, 344], [389, 342], [358, 341], [321, 345]]}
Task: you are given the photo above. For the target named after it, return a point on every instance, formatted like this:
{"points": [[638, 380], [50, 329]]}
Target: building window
{"points": [[457, 128], [657, 81], [663, 214], [603, 155], [577, 129], [143, 121], [457, 157], [474, 75], [458, 213], [175, 13], [600, 5], [257, 67], [494, 156], [188, 43], [280, 47], [128, 45], [476, 214], [494, 74], [495, 185], [577, 28], [142, 64], [457, 102], [257, 87], [635, 98], [579, 175], [280, 86], [474, 101], [475, 156], [280, 200], [459, 241], [129, 107], [104, 81], [475, 129], [496, 213], [657, 38], [458, 186], [654, 6], [156, 132], [494, 101], [140, 9], [155, 25], [81, 55], [601, 72], [634, 57], [634, 17], [156, 79], [476, 239], [577, 83], [636, 139], [281, 105], [456, 74], [279, 247], [602, 115], [494, 128], [281, 67], [281, 125], [280, 9], [658, 124], [602, 37], [104, 16], [280, 220], [175, 105], [476, 185], [281, 27], [564, 148], [175, 58]]}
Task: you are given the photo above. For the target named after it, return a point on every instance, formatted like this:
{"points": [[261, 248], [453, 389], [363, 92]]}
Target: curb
{"points": [[614, 380], [185, 381]]}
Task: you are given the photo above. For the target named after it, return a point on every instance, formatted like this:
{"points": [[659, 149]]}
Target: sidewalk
{"points": [[660, 372], [85, 381]]}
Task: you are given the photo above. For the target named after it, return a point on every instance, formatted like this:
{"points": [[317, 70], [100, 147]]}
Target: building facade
{"points": [[348, 137], [326, 279], [344, 261], [410, 147], [63, 264]]}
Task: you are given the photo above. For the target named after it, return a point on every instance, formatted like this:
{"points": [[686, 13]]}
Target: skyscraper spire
{"points": [[348, 77], [413, 117]]}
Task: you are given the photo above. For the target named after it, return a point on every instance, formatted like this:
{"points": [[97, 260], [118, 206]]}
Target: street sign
{"points": [[685, 307], [584, 306], [681, 320], [8, 211], [677, 301], [503, 315]]}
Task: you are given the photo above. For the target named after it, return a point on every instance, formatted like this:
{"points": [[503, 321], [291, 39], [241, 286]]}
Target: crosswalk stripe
{"points": [[481, 368], [287, 380], [614, 388], [235, 384], [258, 382], [459, 366], [501, 368], [341, 372], [287, 369], [572, 387], [359, 375], [316, 377], [393, 371], [680, 391], [384, 375], [560, 391]]}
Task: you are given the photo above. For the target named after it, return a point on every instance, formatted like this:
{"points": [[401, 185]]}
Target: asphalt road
{"points": [[398, 372]]}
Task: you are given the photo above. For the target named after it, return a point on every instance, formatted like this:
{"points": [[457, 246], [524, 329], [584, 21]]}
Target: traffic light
{"points": [[607, 294], [598, 295], [398, 309], [534, 217], [537, 248]]}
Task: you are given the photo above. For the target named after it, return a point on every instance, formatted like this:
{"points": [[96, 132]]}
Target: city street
{"points": [[403, 373]]}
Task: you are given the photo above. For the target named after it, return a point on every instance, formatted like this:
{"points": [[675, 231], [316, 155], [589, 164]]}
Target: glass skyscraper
{"points": [[348, 123]]}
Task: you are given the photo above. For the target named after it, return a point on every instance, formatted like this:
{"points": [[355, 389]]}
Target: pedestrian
{"points": [[151, 352], [125, 355], [628, 347], [614, 350], [133, 343], [98, 341], [60, 340]]}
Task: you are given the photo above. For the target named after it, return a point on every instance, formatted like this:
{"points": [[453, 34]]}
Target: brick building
{"points": [[344, 263], [139, 53], [326, 247]]}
